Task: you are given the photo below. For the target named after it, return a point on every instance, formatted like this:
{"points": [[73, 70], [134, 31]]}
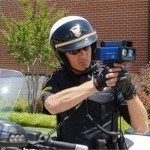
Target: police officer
{"points": [[82, 93]]}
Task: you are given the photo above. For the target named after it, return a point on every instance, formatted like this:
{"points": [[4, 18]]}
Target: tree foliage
{"points": [[27, 39]]}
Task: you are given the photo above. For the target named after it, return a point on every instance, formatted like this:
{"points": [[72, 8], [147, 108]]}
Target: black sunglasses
{"points": [[75, 52]]}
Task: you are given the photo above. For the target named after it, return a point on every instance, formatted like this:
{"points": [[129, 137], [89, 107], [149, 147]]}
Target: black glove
{"points": [[99, 79], [125, 86]]}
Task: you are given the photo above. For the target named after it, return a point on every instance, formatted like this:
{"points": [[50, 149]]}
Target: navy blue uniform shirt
{"points": [[103, 107]]}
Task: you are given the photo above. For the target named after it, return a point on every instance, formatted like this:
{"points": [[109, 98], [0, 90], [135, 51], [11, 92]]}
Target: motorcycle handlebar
{"points": [[52, 142], [66, 145]]}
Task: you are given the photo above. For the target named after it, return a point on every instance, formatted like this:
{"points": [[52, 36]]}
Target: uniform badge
{"points": [[76, 30]]}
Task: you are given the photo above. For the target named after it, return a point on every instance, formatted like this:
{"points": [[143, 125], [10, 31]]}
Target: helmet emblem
{"points": [[76, 30]]}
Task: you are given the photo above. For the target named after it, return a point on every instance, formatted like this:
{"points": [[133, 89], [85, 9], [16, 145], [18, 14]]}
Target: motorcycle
{"points": [[15, 137]]}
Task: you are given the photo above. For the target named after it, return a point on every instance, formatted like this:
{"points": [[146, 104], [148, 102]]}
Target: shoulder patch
{"points": [[46, 79], [46, 89]]}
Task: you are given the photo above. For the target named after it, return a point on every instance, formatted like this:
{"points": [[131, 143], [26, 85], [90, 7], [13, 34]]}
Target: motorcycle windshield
{"points": [[10, 87]]}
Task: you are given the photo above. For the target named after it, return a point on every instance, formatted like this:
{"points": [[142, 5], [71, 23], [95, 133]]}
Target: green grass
{"points": [[42, 130], [123, 125]]}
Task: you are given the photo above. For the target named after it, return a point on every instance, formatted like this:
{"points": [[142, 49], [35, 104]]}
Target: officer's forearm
{"points": [[138, 115], [69, 98]]}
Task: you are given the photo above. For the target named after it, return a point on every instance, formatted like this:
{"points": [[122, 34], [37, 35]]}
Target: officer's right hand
{"points": [[100, 79], [108, 77]]}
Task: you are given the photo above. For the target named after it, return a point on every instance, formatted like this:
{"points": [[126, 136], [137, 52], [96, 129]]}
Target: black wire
{"points": [[101, 128]]}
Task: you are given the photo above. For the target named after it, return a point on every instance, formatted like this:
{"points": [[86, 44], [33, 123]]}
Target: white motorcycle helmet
{"points": [[71, 33]]}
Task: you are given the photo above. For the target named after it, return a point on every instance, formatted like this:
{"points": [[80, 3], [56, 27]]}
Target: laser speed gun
{"points": [[115, 51]]}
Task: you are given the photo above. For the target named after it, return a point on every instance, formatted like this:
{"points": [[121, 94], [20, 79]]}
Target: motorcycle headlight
{"points": [[12, 134]]}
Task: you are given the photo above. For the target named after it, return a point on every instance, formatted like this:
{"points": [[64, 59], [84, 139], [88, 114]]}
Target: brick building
{"points": [[112, 19]]}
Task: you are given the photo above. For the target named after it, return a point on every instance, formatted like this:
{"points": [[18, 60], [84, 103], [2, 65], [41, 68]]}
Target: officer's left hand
{"points": [[120, 79]]}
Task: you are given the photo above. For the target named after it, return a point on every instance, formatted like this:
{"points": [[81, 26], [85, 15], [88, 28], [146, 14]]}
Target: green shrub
{"points": [[35, 120], [21, 106], [142, 79]]}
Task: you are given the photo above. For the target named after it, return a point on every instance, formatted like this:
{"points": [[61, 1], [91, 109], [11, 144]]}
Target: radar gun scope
{"points": [[115, 51]]}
